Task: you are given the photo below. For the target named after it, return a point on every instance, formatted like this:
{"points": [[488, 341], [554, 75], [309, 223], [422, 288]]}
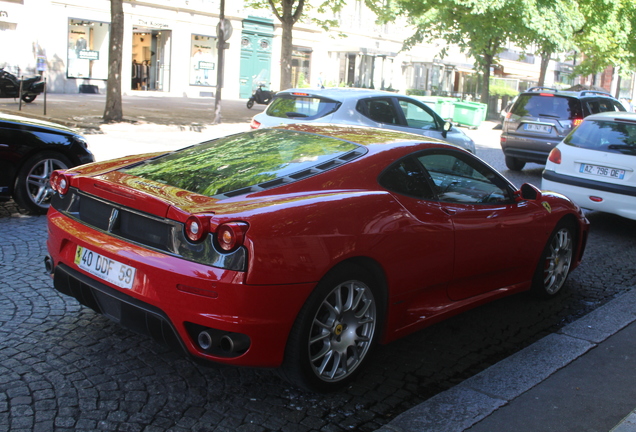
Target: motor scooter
{"points": [[10, 86], [260, 96]]}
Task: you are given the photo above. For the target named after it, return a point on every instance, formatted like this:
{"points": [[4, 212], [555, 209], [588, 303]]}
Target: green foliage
{"points": [[501, 90]]}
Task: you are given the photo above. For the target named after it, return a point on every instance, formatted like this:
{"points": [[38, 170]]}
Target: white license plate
{"points": [[105, 268], [603, 171], [537, 128]]}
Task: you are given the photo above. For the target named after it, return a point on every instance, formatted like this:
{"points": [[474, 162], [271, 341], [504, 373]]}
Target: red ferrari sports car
{"points": [[302, 246]]}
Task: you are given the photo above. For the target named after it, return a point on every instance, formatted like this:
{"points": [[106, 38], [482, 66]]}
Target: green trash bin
{"points": [[469, 114], [441, 105]]}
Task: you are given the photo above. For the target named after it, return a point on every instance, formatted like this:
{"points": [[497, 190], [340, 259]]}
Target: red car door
{"points": [[497, 241]]}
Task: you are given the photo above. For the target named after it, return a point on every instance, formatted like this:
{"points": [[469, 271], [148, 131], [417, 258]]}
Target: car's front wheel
{"points": [[32, 189], [514, 164], [555, 262], [334, 332]]}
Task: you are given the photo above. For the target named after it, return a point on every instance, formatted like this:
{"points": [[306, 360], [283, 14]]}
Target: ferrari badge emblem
{"points": [[547, 206]]}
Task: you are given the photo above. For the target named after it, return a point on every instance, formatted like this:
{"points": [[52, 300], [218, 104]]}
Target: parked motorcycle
{"points": [[10, 86], [260, 96]]}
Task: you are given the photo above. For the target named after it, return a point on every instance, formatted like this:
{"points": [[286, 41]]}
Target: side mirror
{"points": [[529, 192], [447, 126]]}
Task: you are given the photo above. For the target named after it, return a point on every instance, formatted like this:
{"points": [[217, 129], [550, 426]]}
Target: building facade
{"points": [[171, 47]]}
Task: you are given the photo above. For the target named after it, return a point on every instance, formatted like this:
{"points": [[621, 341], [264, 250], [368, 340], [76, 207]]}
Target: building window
{"points": [[87, 49], [203, 60]]}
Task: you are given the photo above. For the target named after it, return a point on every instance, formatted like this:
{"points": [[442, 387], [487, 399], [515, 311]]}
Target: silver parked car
{"points": [[360, 107]]}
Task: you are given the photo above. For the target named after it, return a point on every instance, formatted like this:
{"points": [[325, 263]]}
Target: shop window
{"points": [[87, 49], [203, 60]]}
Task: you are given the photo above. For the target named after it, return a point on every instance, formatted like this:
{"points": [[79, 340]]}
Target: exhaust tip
{"points": [[48, 264]]}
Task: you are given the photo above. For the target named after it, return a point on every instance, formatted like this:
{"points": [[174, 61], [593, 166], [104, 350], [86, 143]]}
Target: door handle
{"points": [[449, 211]]}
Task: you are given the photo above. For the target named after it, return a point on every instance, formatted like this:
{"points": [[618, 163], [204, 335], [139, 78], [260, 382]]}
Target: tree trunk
{"points": [[545, 61], [286, 56], [485, 88], [113, 110]]}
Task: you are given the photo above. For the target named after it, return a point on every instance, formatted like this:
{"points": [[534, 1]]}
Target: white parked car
{"points": [[594, 165], [360, 107]]}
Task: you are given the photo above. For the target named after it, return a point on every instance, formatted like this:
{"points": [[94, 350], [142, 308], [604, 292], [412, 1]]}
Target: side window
{"points": [[459, 179], [594, 107], [378, 110], [416, 116], [407, 178]]}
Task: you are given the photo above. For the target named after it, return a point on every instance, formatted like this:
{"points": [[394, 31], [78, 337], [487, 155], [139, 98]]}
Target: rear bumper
{"points": [[608, 197], [174, 300]]}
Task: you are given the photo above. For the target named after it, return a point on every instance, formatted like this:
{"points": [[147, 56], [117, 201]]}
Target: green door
{"points": [[256, 55]]}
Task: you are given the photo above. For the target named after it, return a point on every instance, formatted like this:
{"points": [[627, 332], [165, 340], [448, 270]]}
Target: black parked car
{"points": [[30, 150], [541, 117]]}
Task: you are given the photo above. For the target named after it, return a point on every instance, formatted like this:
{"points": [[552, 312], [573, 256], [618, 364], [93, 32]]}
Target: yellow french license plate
{"points": [[105, 268]]}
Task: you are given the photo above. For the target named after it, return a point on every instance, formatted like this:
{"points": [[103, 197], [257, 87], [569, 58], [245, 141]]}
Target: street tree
{"points": [[552, 25], [289, 12], [113, 110], [480, 28], [606, 38]]}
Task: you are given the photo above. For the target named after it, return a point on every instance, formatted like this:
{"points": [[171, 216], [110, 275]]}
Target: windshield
{"points": [[609, 136], [242, 160]]}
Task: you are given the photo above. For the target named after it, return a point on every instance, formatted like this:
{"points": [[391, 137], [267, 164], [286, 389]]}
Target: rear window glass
{"points": [[596, 106], [609, 136], [301, 107], [242, 160], [547, 106]]}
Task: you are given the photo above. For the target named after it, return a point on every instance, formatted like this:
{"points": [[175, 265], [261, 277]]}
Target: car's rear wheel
{"points": [[32, 189], [334, 332], [514, 164], [555, 262]]}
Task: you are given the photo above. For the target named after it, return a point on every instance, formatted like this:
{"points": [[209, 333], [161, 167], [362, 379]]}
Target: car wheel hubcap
{"points": [[38, 184], [558, 261], [342, 331]]}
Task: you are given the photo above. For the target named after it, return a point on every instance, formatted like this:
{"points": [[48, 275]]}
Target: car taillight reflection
{"points": [[555, 156]]}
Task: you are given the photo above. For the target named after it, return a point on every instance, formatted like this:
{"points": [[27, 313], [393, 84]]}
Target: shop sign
{"points": [[88, 55], [206, 65], [152, 24]]}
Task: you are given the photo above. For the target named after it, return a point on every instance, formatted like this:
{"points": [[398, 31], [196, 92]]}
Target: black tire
{"points": [[32, 189], [555, 262], [28, 98], [514, 164], [250, 103], [335, 331]]}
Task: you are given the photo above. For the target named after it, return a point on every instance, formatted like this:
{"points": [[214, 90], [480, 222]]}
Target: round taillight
{"points": [[231, 235], [255, 124], [53, 180], [555, 156], [60, 182], [197, 227]]}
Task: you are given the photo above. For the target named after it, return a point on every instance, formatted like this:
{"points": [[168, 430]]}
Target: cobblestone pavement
{"points": [[63, 367]]}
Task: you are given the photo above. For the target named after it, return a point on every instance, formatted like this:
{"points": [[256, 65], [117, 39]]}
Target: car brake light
{"points": [[300, 94], [231, 235], [577, 121], [596, 199], [254, 124], [197, 227], [555, 156], [546, 94], [60, 182]]}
